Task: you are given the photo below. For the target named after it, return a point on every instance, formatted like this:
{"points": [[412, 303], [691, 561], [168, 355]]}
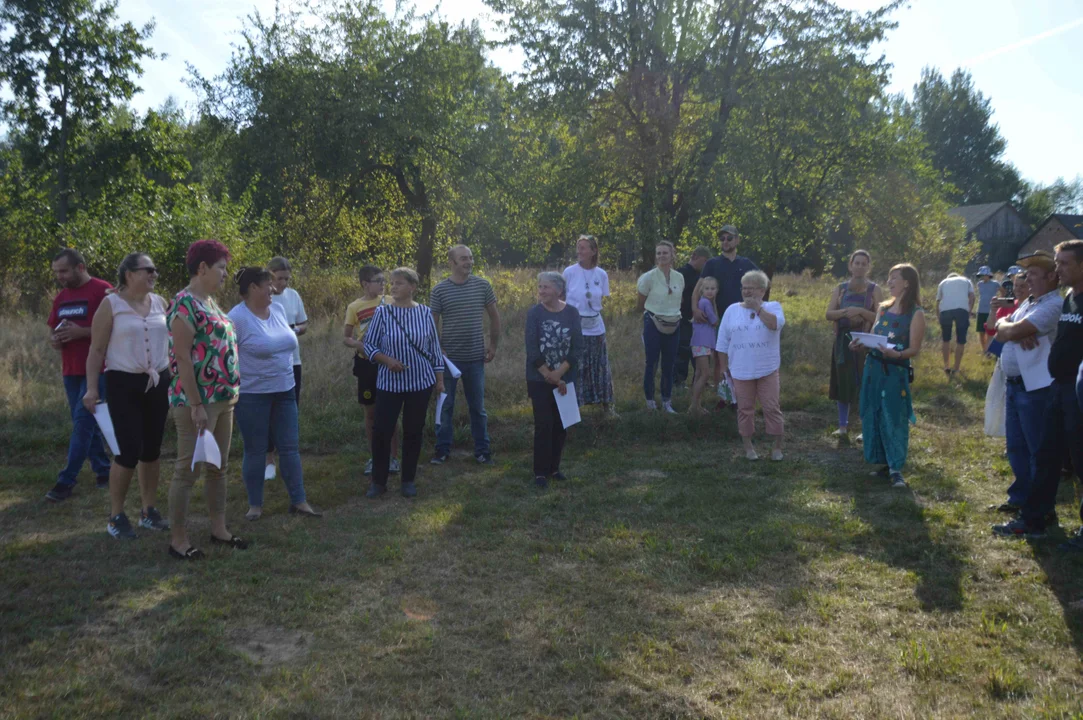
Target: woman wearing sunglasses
{"points": [[660, 292], [129, 334]]}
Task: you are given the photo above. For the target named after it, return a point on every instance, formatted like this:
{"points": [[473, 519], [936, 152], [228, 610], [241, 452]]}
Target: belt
{"points": [[1017, 380]]}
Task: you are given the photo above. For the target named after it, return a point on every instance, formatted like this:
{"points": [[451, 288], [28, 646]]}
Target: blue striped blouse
{"points": [[386, 336]]}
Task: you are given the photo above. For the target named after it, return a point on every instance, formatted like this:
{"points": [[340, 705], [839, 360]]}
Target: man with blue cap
{"points": [[987, 290]]}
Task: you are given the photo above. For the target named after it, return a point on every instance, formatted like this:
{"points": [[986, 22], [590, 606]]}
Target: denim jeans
{"points": [[86, 439], [473, 380], [258, 415], [655, 344], [1024, 427], [1063, 428]]}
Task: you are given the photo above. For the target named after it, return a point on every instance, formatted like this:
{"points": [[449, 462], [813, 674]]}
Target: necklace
{"points": [[587, 282]]}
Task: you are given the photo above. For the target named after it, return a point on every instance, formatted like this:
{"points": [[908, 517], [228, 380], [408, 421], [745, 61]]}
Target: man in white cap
{"points": [[987, 290]]}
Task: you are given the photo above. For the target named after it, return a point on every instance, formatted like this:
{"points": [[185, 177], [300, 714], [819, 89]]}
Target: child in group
{"points": [[704, 336]]}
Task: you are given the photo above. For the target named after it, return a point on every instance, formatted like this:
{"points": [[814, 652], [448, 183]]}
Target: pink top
{"points": [[138, 344]]}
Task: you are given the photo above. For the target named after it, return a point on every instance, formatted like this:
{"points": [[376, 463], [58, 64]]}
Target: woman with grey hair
{"points": [[554, 346], [749, 352]]}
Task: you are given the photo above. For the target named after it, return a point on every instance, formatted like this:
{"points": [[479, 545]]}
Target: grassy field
{"points": [[667, 578]]}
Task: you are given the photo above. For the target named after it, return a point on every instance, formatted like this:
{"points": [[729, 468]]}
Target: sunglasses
{"points": [[151, 270]]}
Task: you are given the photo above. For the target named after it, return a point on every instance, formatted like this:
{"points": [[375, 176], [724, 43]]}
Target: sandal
{"points": [[192, 553], [234, 542]]}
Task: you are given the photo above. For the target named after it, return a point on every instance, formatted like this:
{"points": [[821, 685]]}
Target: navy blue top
{"points": [[552, 338], [728, 273]]}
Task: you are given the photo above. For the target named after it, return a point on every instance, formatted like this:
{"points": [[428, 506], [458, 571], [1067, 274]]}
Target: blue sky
{"points": [[1024, 56]]}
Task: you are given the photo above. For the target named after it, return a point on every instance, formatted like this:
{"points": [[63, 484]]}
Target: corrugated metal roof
{"points": [[975, 215]]}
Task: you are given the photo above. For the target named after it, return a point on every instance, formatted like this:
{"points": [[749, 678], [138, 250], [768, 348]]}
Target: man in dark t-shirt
{"points": [[1063, 418], [691, 272], [728, 269], [69, 322]]}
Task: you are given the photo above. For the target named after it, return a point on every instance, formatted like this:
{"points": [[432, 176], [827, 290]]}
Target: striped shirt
{"points": [[462, 310], [386, 336]]}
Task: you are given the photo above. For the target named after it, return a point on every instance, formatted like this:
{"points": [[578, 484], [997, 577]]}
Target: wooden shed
{"points": [[1056, 229], [999, 228]]}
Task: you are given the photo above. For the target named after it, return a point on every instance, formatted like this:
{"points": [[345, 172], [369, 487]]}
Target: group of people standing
{"points": [[190, 359], [150, 359]]}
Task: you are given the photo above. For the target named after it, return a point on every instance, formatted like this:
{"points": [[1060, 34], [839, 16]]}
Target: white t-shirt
{"points": [[295, 314], [578, 282], [954, 293], [752, 349]]}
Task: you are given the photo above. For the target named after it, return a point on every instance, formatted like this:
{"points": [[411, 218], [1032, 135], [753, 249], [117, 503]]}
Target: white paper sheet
{"points": [[568, 406], [207, 450], [870, 340], [452, 368], [440, 406], [1034, 365], [101, 414]]}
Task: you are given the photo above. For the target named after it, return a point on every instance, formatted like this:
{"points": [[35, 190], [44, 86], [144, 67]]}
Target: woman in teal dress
{"points": [[887, 409], [852, 309]]}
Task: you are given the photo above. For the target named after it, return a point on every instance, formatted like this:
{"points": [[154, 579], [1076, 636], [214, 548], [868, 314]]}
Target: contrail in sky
{"points": [[1024, 42]]}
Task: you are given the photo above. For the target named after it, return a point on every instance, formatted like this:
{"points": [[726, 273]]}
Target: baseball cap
{"points": [[1040, 259], [984, 270], [729, 229]]}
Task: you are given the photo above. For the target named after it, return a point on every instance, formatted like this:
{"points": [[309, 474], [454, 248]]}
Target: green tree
{"points": [[965, 143], [66, 64]]}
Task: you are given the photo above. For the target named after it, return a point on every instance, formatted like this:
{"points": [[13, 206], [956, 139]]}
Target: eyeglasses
{"points": [[148, 270]]}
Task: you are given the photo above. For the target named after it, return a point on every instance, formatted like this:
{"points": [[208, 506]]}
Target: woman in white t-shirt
{"points": [[282, 294], [748, 346], [585, 286]]}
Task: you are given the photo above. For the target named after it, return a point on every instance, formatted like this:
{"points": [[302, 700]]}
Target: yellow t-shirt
{"points": [[663, 297], [359, 314]]}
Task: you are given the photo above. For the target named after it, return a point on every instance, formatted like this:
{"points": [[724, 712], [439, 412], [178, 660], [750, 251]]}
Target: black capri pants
{"points": [[138, 415]]}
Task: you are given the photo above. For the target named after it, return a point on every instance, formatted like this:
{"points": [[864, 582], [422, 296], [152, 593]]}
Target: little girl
{"points": [[704, 336]]}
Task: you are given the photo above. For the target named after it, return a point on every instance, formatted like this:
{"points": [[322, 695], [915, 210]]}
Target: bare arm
{"points": [[641, 302], [101, 328], [1008, 331], [834, 314], [494, 331], [970, 302], [697, 292], [301, 328], [348, 339], [769, 319]]}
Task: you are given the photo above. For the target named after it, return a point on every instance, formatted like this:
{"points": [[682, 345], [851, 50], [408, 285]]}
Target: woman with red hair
{"points": [[203, 390]]}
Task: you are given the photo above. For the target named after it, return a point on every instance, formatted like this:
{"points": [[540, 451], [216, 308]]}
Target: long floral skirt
{"points": [[595, 382]]}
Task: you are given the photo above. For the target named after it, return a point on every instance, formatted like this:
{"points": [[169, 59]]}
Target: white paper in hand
{"points": [[871, 341], [568, 406], [452, 368], [440, 406], [101, 414], [206, 450]]}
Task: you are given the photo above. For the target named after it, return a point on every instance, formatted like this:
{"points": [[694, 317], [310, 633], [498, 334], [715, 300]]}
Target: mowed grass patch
{"points": [[667, 577]]}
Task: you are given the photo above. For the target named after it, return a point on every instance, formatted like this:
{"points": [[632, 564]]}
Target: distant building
{"points": [[999, 228], [1056, 229]]}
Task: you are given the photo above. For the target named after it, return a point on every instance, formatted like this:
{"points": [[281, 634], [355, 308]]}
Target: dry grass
{"points": [[667, 578]]}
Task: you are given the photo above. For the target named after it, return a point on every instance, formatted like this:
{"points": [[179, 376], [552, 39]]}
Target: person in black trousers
{"points": [[403, 340], [691, 272], [554, 344]]}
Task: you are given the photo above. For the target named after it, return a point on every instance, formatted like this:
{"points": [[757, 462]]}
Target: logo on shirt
{"points": [[1071, 318], [75, 310]]}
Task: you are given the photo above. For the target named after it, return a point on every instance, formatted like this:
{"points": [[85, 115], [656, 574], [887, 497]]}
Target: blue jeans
{"points": [[474, 389], [86, 439], [1024, 427], [1063, 428], [260, 415], [655, 344]]}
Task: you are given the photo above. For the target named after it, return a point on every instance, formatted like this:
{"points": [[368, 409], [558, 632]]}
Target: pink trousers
{"points": [[766, 389]]}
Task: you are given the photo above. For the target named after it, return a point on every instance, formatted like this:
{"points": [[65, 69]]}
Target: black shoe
{"points": [[375, 490], [1074, 545], [151, 519], [541, 482], [59, 493], [897, 480], [120, 527], [191, 553], [102, 482], [1018, 529], [484, 459], [234, 542], [559, 476], [294, 510], [1005, 508], [409, 490], [439, 459]]}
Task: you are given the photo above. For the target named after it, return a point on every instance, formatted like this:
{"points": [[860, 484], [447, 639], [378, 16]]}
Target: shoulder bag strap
{"points": [[409, 339]]}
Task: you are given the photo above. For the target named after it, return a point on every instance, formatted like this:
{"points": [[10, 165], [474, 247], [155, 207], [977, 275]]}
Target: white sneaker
{"points": [[750, 454], [668, 407], [269, 472], [776, 455], [652, 405]]}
